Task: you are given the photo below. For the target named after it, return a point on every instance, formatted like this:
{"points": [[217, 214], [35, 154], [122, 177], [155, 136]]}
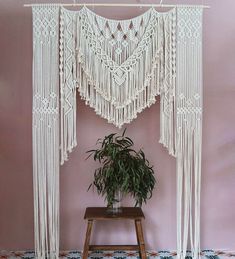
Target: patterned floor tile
{"points": [[205, 254]]}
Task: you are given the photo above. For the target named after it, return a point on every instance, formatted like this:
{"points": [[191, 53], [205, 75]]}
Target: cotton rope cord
{"points": [[118, 67]]}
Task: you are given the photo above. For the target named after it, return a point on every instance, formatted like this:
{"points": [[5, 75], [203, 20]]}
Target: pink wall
{"points": [[218, 192]]}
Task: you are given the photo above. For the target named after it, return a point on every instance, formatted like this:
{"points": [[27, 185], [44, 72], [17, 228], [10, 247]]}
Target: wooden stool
{"points": [[100, 213]]}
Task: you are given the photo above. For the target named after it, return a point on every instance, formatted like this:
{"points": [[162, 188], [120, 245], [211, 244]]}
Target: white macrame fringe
{"points": [[189, 129], [46, 131]]}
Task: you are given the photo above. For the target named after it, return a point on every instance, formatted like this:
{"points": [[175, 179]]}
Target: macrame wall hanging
{"points": [[118, 67]]}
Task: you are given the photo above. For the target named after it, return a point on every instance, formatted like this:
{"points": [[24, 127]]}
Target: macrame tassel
{"points": [[188, 129], [46, 131]]}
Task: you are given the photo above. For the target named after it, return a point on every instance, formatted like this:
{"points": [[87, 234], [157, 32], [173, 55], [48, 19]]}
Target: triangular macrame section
{"points": [[119, 68]]}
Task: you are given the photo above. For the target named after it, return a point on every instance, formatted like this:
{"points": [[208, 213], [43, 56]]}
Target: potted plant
{"points": [[123, 170]]}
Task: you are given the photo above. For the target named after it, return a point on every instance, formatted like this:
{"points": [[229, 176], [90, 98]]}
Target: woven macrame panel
{"points": [[46, 130], [189, 128]]}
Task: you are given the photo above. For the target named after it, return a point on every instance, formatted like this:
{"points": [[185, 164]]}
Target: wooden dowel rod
{"points": [[119, 5]]}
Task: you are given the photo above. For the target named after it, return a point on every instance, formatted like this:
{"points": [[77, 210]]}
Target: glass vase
{"points": [[116, 206]]}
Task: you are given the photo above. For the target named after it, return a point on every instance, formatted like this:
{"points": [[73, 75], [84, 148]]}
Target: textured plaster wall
{"points": [[218, 167]]}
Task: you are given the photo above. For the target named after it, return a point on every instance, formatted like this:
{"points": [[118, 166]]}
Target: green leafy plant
{"points": [[122, 168]]}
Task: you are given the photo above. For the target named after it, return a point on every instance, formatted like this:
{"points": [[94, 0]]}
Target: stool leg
{"points": [[140, 238], [87, 239]]}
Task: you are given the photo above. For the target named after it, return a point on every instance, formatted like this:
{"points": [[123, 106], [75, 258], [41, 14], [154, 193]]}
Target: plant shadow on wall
{"points": [[123, 171]]}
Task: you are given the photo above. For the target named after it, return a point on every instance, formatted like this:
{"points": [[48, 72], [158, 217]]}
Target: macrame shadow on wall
{"points": [[118, 67]]}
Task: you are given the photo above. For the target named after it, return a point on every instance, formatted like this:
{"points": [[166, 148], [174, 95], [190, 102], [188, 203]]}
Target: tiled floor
{"points": [[205, 254]]}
